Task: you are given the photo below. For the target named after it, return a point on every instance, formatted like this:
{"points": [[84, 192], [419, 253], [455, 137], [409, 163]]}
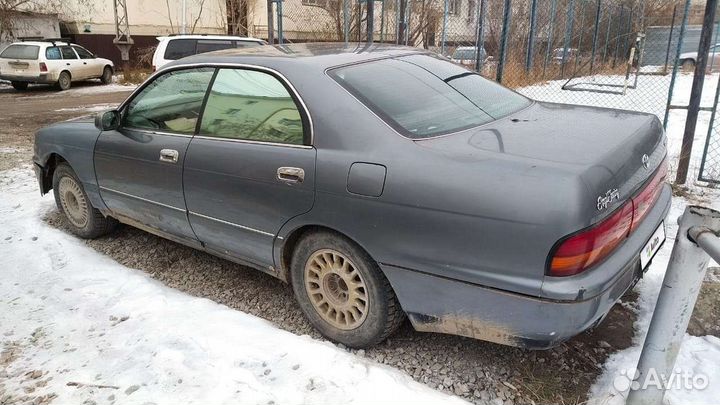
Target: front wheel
{"points": [[20, 86], [84, 220], [342, 291], [64, 81], [106, 77]]}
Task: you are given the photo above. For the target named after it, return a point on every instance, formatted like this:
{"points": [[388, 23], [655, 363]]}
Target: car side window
{"points": [[67, 52], [209, 45], [83, 53], [180, 48], [52, 53], [170, 103], [251, 105]]}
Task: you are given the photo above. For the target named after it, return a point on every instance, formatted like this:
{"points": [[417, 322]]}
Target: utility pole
{"points": [[122, 39], [183, 29], [370, 20]]}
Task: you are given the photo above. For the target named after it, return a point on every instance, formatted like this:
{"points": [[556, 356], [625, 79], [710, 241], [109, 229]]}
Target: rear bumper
{"points": [[40, 79], [444, 305]]}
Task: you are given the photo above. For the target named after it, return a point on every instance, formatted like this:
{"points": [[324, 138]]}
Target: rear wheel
{"points": [[688, 64], [19, 85], [64, 81], [342, 291], [106, 77], [84, 219]]}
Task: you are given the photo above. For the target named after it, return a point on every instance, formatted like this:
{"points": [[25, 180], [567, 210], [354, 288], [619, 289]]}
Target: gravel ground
{"points": [[478, 371]]}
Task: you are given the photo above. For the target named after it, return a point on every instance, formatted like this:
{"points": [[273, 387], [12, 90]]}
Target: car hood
{"points": [[687, 55], [603, 148]]}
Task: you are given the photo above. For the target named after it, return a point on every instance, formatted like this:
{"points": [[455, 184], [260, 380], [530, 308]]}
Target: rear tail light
{"points": [[43, 67], [580, 251], [644, 200]]}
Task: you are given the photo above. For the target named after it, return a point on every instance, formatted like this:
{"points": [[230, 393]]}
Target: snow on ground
{"points": [[89, 108], [699, 355], [78, 325]]}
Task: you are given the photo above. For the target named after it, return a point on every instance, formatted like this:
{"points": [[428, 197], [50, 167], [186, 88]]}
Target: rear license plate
{"points": [[652, 246]]}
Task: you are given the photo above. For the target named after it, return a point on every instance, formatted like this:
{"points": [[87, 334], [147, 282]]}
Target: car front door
{"points": [[139, 165], [251, 167], [72, 63]]}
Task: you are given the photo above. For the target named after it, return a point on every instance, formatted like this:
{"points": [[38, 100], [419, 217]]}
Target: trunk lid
{"points": [[613, 151], [20, 60]]}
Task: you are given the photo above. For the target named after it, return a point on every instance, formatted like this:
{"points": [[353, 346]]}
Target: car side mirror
{"points": [[107, 120]]}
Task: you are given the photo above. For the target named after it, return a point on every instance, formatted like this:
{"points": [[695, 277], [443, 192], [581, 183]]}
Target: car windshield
{"points": [[422, 96], [28, 52]]}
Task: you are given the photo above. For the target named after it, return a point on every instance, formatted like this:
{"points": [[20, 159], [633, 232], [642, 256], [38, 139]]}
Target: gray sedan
{"points": [[380, 182]]}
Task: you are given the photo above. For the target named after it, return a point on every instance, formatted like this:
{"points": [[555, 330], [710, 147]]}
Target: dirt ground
{"points": [[478, 371]]}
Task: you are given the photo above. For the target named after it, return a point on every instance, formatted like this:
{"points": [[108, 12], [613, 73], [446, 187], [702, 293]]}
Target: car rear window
{"points": [[423, 96], [209, 45], [180, 48], [27, 52]]}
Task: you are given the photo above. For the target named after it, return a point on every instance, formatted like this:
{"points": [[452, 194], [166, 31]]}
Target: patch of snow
{"points": [[81, 318], [9, 150]]}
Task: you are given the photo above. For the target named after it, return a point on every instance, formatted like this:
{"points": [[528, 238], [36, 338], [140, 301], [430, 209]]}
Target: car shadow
{"points": [[48, 88]]}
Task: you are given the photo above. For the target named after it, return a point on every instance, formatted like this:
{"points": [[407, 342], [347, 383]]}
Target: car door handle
{"points": [[84, 63], [169, 155], [291, 174], [68, 63]]}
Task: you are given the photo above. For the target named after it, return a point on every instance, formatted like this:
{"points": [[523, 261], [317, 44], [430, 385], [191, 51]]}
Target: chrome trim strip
{"points": [[153, 132], [226, 65], [287, 145], [232, 224], [142, 199]]}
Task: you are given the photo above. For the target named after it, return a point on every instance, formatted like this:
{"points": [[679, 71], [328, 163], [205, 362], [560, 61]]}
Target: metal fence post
{"points": [[279, 20], [672, 28], [596, 31], [551, 29], [679, 291], [568, 35], [382, 21], [503, 41], [370, 20], [607, 37], [531, 36], [444, 27], [271, 23], [582, 30], [711, 127], [346, 20], [678, 51], [480, 42], [617, 35], [696, 91]]}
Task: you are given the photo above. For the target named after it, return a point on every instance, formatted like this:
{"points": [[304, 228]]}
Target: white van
{"points": [[175, 47]]}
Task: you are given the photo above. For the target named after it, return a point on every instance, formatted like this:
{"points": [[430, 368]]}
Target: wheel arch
{"points": [[293, 237], [52, 162]]}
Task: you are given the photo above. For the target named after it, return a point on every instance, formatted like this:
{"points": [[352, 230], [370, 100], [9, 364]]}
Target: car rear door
{"points": [[73, 63], [139, 165], [251, 167]]}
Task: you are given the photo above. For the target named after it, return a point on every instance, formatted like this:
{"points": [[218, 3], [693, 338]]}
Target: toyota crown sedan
{"points": [[381, 182]]}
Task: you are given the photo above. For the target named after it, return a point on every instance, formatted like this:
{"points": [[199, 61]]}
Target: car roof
{"points": [[42, 43], [318, 55], [199, 36]]}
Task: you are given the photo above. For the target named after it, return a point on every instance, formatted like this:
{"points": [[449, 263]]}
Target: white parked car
{"points": [[688, 59], [175, 47], [51, 61]]}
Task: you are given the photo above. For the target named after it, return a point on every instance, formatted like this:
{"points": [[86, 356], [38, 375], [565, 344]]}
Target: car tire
{"points": [[106, 77], [64, 80], [83, 219], [342, 291], [20, 86], [688, 64]]}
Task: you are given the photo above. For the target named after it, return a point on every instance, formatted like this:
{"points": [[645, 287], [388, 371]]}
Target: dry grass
{"points": [[515, 76], [134, 75]]}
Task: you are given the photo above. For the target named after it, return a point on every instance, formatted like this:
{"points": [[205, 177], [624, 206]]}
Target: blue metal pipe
{"points": [[531, 36], [504, 39], [596, 31], [279, 21], [444, 27], [568, 35], [551, 28], [678, 50]]}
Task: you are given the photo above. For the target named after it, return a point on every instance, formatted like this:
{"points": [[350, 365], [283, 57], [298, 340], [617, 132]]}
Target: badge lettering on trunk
{"points": [[604, 200]]}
